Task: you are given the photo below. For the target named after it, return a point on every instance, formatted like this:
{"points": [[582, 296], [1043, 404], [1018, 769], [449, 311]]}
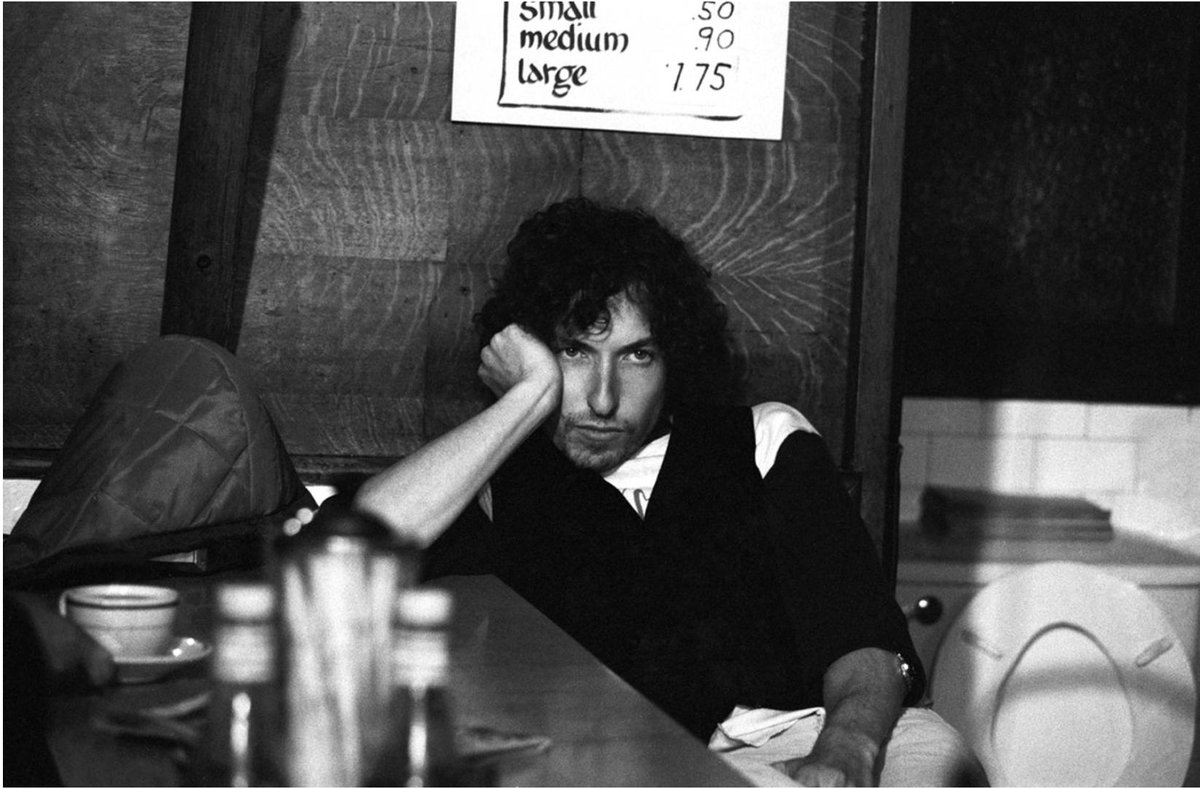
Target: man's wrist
{"points": [[850, 751], [906, 673], [540, 395]]}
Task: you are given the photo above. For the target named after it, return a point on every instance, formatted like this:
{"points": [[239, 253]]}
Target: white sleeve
{"points": [[773, 422]]}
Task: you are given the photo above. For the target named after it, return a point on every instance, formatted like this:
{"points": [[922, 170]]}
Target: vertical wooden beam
{"points": [[874, 447], [215, 125]]}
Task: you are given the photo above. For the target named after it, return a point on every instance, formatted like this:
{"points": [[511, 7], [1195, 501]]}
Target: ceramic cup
{"points": [[127, 619]]}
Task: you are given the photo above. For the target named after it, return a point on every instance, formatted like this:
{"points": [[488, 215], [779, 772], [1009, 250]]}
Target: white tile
{"points": [[914, 461], [1075, 466], [1034, 418], [1168, 463], [1107, 420], [1105, 499], [941, 417], [1003, 464]]}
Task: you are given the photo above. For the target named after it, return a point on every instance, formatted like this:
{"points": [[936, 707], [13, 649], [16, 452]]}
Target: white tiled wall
{"points": [[1109, 454]]}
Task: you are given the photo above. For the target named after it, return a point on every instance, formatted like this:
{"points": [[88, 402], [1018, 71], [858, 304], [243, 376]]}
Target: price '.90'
{"points": [[721, 39]]}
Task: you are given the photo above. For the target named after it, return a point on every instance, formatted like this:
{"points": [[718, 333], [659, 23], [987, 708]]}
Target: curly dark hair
{"points": [[568, 260]]}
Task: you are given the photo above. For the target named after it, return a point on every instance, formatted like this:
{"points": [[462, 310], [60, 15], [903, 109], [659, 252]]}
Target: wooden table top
{"points": [[513, 670], [516, 670]]}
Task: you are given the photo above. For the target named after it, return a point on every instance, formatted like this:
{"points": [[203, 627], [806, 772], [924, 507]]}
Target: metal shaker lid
{"points": [[245, 600], [424, 607]]}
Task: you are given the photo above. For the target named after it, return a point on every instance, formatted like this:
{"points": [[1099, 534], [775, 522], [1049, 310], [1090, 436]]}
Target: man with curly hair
{"points": [[704, 551]]}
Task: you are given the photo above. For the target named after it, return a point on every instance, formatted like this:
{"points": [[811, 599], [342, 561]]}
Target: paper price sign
{"points": [[702, 67]]}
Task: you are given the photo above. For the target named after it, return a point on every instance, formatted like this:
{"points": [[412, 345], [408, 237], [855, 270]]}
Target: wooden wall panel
{"points": [[91, 117], [361, 187], [367, 167], [382, 226], [775, 223], [824, 73], [349, 255], [774, 220], [501, 174], [371, 60], [355, 217], [381, 223], [339, 345]]}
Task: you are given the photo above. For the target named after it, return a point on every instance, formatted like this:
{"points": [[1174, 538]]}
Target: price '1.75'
{"points": [[700, 75]]}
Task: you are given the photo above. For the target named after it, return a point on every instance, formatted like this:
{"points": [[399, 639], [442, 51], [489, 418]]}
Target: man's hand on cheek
{"points": [[513, 356]]}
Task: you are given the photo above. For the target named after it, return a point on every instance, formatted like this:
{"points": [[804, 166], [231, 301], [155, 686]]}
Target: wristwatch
{"points": [[905, 670]]}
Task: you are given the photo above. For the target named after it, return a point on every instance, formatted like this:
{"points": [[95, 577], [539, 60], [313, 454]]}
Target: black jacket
{"points": [[734, 589]]}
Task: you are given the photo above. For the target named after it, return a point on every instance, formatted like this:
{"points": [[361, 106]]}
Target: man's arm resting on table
{"points": [[864, 695], [423, 493]]}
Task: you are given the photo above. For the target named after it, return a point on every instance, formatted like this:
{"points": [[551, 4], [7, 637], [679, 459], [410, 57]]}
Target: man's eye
{"points": [[570, 351], [642, 355]]}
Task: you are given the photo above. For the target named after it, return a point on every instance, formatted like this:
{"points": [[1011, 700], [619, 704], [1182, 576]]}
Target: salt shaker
{"points": [[338, 577], [241, 747], [420, 751]]}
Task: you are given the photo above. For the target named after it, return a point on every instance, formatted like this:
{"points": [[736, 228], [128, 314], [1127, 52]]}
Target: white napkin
{"points": [[753, 727]]}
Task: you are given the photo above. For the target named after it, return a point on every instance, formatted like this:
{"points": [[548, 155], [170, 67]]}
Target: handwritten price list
{"points": [[715, 62]]}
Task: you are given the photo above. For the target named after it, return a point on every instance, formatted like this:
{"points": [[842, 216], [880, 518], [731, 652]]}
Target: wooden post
{"points": [[202, 276], [873, 445]]}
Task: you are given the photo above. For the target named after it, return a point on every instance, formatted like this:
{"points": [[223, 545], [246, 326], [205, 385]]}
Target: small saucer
{"points": [[150, 668]]}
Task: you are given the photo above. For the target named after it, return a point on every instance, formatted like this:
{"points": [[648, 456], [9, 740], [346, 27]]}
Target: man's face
{"points": [[614, 381]]}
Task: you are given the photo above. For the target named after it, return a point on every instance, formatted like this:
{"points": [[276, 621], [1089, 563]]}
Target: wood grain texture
{"points": [[501, 174], [370, 179], [775, 223], [774, 220], [372, 60], [91, 113]]}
